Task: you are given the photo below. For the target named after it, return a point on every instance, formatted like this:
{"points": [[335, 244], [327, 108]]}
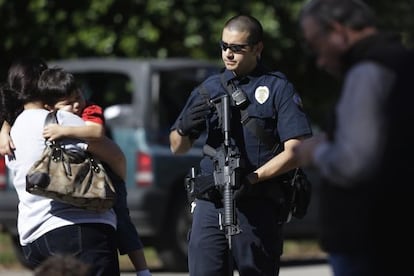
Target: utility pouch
{"points": [[189, 184], [198, 185]]}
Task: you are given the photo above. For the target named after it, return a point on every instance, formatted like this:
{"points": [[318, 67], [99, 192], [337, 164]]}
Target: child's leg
{"points": [[137, 258], [128, 238]]}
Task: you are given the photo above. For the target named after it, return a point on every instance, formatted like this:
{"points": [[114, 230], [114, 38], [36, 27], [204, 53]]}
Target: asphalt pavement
{"points": [[308, 270]]}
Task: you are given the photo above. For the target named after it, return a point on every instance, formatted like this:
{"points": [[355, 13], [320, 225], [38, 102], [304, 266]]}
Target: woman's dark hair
{"points": [[10, 105], [23, 75], [21, 86]]}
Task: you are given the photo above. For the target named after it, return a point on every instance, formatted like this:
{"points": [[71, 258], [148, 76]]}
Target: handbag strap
{"points": [[51, 118]]}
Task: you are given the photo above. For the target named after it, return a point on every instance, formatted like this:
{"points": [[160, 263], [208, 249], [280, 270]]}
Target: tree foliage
{"points": [[171, 28]]}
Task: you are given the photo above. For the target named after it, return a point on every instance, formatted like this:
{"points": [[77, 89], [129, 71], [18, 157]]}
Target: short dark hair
{"points": [[246, 23], [56, 84], [354, 14]]}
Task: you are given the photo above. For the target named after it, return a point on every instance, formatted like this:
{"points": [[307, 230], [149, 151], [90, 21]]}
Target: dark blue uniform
{"points": [[275, 105]]}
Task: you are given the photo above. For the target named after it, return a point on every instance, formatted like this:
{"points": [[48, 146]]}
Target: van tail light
{"points": [[144, 175], [3, 174]]}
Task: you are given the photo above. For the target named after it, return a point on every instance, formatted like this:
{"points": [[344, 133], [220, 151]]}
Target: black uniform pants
{"points": [[256, 250]]}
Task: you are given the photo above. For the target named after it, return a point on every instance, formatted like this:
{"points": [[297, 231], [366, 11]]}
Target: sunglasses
{"points": [[235, 48]]}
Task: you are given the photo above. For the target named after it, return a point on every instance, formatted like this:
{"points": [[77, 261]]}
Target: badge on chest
{"points": [[261, 94]]}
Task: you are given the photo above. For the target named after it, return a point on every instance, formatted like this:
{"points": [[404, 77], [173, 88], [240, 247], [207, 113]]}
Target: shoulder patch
{"points": [[297, 100]]}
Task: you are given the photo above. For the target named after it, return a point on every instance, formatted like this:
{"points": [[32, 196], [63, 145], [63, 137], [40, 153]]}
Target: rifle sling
{"points": [[251, 123]]}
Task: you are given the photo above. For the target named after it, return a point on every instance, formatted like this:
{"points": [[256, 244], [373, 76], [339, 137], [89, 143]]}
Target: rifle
{"points": [[226, 162]]}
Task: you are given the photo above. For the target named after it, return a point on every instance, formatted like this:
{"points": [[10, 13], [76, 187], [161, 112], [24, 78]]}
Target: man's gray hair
{"points": [[354, 14]]}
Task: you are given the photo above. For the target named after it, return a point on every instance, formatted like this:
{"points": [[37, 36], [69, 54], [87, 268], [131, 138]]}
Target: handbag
{"points": [[68, 174]]}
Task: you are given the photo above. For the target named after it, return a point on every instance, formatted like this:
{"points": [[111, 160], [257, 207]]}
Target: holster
{"points": [[203, 183], [201, 187]]}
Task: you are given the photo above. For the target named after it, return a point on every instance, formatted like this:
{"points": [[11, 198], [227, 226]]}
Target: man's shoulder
{"points": [[369, 70], [277, 74], [276, 79], [212, 80], [264, 71], [211, 84]]}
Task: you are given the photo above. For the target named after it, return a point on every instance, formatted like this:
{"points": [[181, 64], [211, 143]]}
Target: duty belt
{"points": [[202, 184]]}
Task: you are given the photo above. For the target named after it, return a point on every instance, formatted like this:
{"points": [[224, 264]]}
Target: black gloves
{"points": [[193, 121]]}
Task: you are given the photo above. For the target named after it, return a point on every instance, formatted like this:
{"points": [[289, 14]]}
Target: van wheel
{"points": [[172, 245]]}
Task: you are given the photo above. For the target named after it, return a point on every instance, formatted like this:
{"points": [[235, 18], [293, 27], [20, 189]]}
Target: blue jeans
{"points": [[92, 243]]}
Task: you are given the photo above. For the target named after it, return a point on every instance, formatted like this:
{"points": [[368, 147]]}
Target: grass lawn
{"points": [[293, 250], [8, 258]]}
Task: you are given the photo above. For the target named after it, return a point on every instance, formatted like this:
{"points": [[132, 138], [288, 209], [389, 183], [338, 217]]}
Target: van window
{"points": [[174, 89], [106, 89]]}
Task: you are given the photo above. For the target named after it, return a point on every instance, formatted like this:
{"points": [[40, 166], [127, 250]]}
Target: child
{"points": [[63, 94], [72, 100]]}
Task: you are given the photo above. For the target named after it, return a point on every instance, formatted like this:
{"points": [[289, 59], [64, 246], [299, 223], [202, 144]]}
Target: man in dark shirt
{"points": [[366, 157]]}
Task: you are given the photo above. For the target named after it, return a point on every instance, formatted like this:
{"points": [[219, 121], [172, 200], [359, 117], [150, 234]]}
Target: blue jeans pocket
{"points": [[31, 258], [27, 252], [65, 240]]}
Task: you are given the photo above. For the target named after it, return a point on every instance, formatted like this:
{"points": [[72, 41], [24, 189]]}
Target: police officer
{"points": [[273, 105]]}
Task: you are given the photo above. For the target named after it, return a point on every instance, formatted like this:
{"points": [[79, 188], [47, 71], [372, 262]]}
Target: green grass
{"points": [[306, 249], [150, 256], [7, 255]]}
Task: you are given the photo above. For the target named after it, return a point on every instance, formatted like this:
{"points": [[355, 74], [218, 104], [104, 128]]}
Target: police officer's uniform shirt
{"points": [[273, 102]]}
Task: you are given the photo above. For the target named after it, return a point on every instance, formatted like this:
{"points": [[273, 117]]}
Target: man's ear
{"points": [[259, 49]]}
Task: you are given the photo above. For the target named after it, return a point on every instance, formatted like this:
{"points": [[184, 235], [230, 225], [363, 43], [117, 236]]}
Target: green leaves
{"points": [[170, 28]]}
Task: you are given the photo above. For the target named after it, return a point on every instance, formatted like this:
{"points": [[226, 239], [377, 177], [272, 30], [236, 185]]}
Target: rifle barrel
{"points": [[226, 120]]}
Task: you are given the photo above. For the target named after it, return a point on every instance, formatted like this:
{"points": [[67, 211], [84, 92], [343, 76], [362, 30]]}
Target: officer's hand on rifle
{"points": [[193, 121]]}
